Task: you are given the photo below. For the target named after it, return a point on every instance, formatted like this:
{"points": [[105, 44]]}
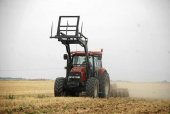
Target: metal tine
{"points": [[52, 29], [67, 27], [81, 28]]}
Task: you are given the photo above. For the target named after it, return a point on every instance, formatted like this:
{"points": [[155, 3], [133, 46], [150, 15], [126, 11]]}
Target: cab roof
{"points": [[97, 53]]}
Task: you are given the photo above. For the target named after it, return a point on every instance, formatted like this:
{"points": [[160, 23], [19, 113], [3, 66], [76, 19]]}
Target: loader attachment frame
{"points": [[75, 37]]}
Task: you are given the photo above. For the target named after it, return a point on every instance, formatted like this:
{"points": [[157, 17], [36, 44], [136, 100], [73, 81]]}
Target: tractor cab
{"points": [[79, 60]]}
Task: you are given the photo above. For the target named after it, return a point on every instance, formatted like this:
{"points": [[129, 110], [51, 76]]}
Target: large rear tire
{"points": [[104, 85], [59, 86], [92, 87]]}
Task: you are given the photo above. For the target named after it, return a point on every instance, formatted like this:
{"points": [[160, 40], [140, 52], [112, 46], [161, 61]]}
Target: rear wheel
{"points": [[92, 87], [104, 85], [59, 86]]}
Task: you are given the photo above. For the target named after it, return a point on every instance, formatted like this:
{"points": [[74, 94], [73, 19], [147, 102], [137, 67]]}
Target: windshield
{"points": [[81, 60]]}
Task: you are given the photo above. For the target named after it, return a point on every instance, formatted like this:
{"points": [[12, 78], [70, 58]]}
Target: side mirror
{"points": [[65, 56]]}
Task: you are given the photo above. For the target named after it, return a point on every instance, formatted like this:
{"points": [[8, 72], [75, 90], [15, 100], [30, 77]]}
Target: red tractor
{"points": [[84, 71]]}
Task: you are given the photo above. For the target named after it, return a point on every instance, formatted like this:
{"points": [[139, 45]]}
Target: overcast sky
{"points": [[134, 34]]}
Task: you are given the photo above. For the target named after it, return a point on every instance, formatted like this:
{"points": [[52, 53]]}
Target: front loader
{"points": [[84, 71]]}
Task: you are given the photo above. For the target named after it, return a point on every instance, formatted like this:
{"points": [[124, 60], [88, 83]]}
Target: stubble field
{"points": [[34, 97]]}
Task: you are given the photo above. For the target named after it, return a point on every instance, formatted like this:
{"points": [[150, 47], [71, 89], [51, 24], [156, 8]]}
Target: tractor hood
{"points": [[80, 70]]}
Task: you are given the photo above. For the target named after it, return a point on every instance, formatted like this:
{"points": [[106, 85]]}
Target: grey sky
{"points": [[135, 36]]}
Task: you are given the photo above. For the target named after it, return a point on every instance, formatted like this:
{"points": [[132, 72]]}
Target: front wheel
{"points": [[92, 87], [59, 86]]}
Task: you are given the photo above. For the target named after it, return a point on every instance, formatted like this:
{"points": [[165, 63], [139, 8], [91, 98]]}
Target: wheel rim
{"points": [[95, 91], [106, 88]]}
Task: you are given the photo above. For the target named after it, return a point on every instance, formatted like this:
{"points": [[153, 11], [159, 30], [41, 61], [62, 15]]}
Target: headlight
{"points": [[74, 77]]}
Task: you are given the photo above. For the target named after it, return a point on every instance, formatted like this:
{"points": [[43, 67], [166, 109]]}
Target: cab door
{"points": [[97, 65]]}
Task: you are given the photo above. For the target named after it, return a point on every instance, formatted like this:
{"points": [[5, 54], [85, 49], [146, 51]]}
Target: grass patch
{"points": [[42, 96], [10, 96], [8, 111]]}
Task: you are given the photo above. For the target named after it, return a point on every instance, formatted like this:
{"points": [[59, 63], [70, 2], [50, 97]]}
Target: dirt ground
{"points": [[31, 97]]}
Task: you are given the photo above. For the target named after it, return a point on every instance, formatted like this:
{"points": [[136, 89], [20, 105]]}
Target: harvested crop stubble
{"points": [[82, 105], [43, 101]]}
